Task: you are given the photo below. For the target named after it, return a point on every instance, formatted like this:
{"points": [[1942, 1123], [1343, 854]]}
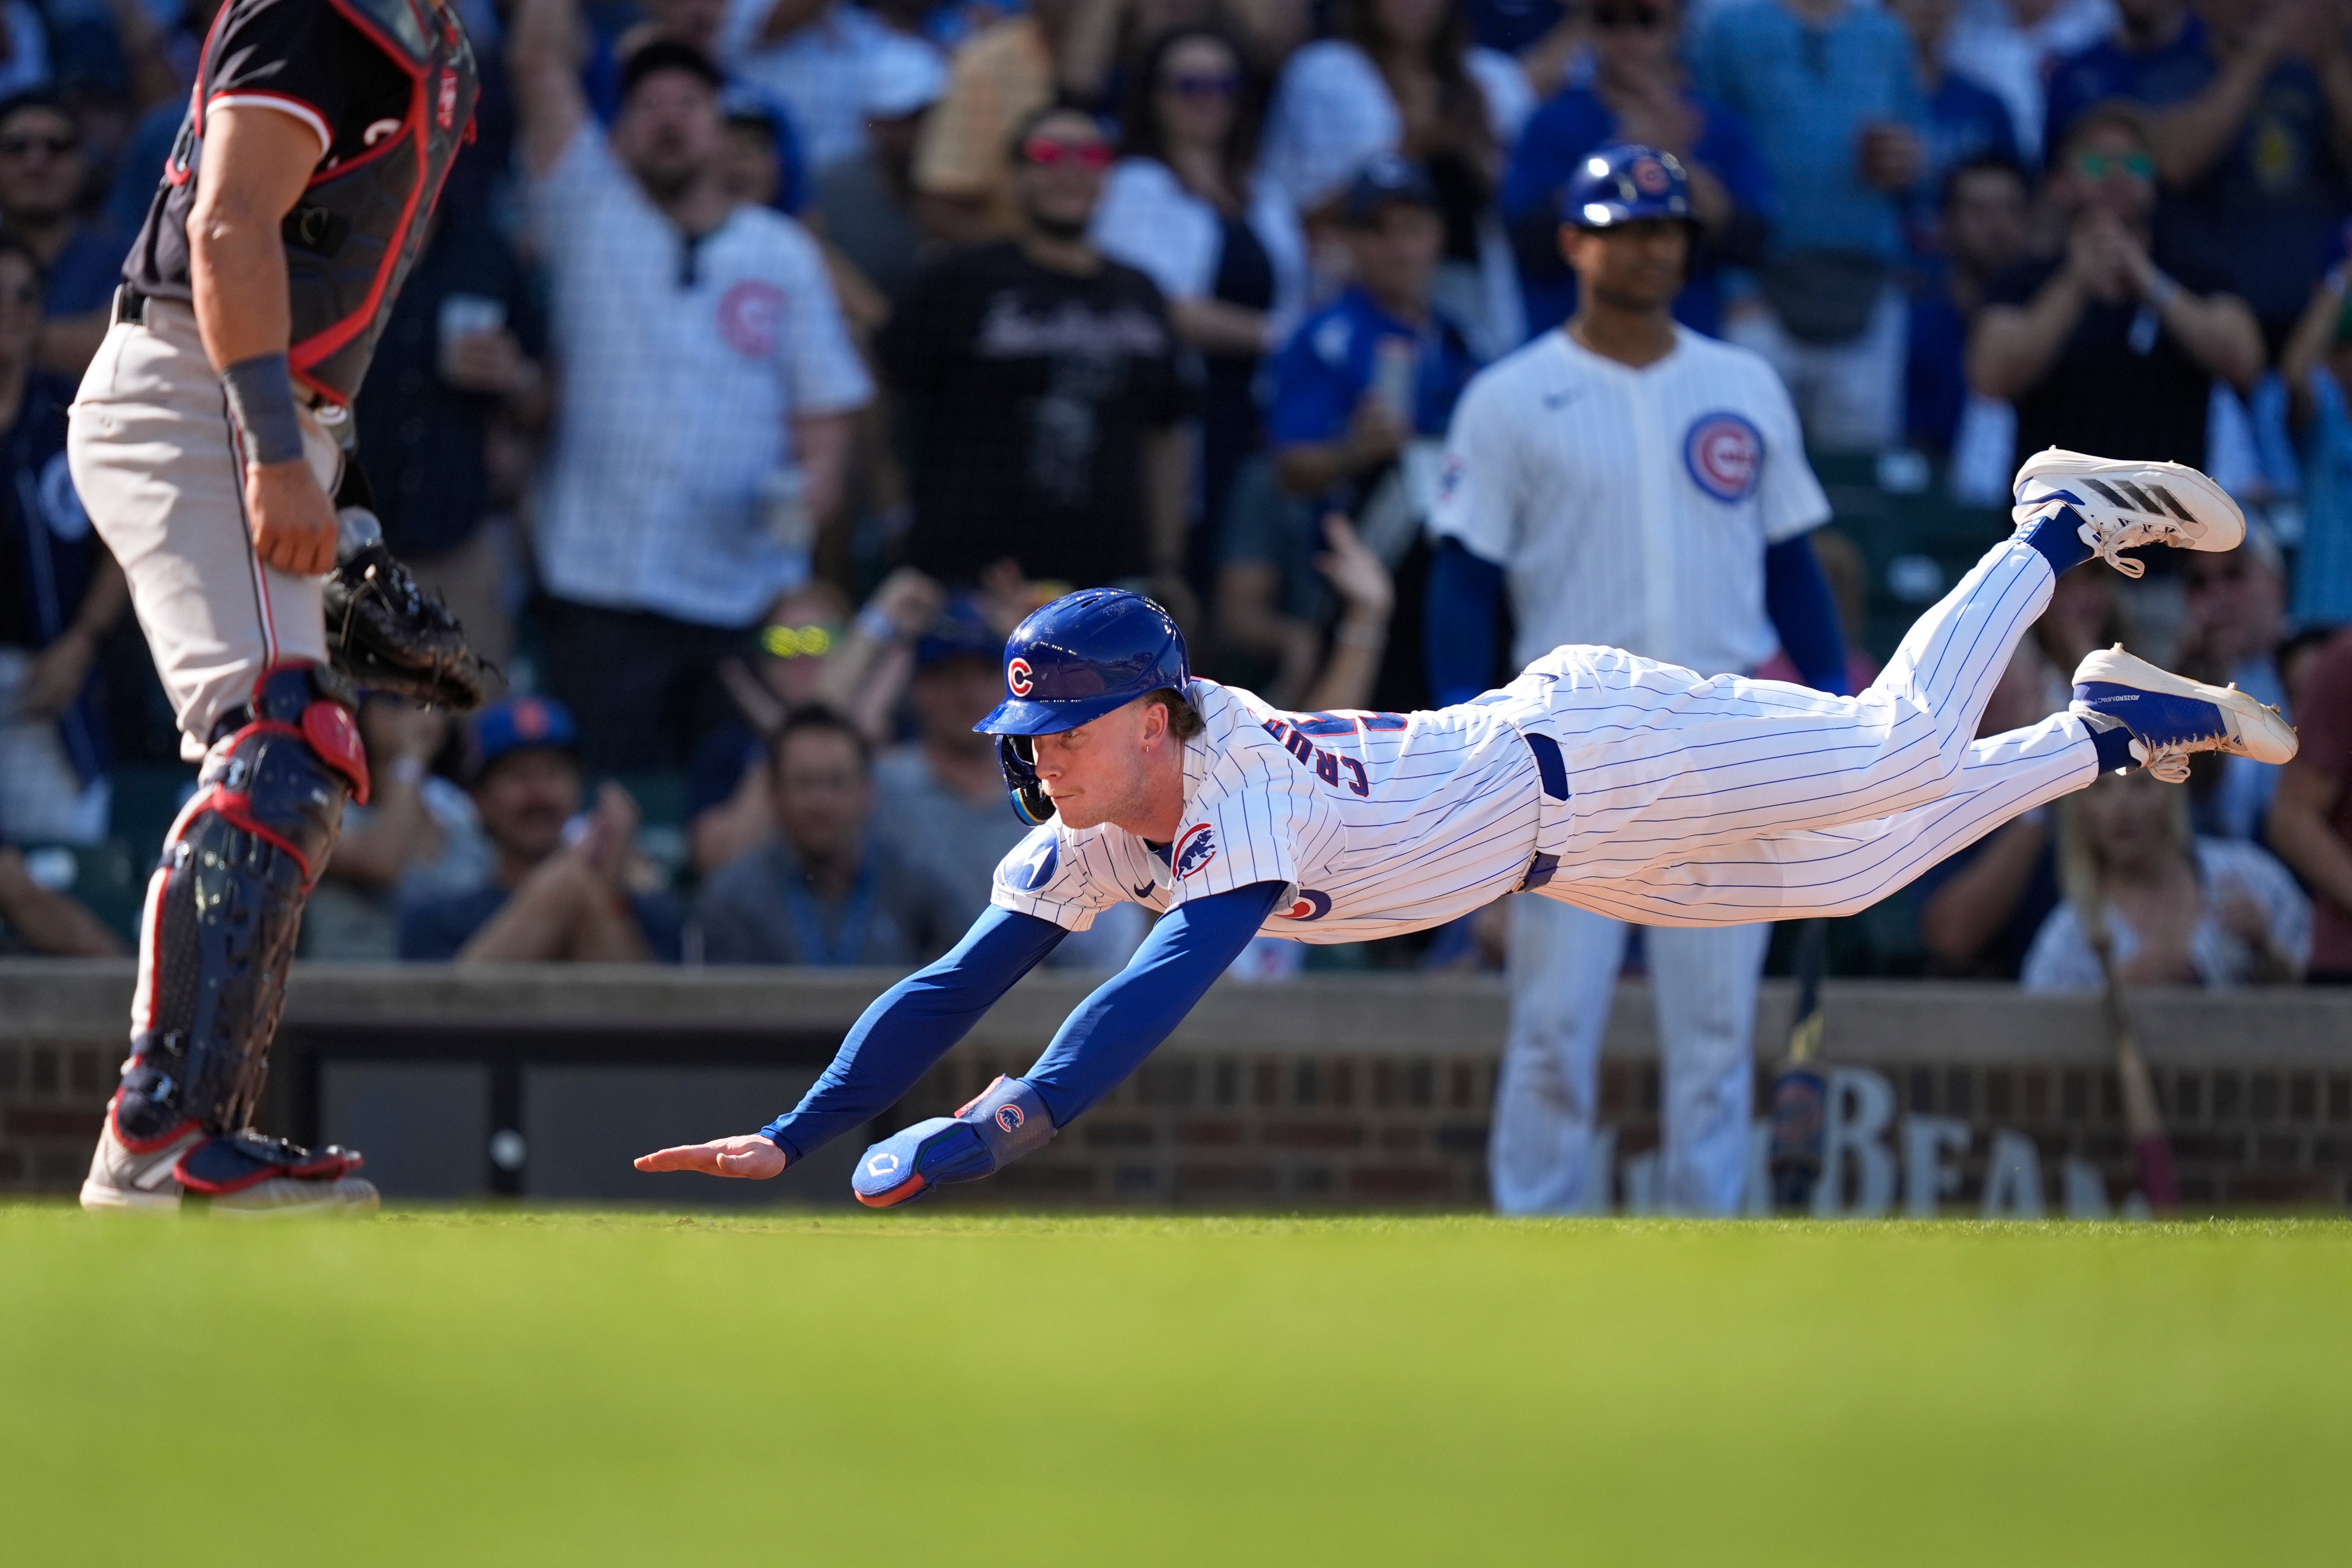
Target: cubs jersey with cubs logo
{"points": [[1631, 508], [1377, 824]]}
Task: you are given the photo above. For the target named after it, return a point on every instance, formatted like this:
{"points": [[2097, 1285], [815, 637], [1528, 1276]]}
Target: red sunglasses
{"points": [[1046, 153]]}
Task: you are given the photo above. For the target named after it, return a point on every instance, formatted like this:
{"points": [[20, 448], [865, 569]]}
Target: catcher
{"points": [[209, 435]]}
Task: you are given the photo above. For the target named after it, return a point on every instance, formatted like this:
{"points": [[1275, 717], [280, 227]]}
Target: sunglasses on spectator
{"points": [[1046, 153], [2099, 165], [1220, 85], [1612, 18], [798, 642], [55, 146]]}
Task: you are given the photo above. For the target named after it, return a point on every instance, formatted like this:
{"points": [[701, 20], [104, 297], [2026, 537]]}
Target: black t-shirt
{"points": [[1032, 392], [2123, 386], [301, 56]]}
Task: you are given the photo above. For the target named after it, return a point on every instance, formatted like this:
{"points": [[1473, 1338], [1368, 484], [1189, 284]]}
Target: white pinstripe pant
{"points": [[1718, 803], [1722, 801]]}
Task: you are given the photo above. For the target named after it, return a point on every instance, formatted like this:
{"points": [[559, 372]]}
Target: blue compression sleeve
{"points": [[1797, 596], [1459, 624], [1127, 1016], [907, 1029]]}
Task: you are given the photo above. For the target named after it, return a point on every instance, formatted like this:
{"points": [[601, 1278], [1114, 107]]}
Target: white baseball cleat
{"points": [[2170, 716], [121, 1177], [240, 1176], [2124, 505]]}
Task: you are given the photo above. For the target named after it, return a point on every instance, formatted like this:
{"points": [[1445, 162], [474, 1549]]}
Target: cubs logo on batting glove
{"points": [[1005, 1123]]}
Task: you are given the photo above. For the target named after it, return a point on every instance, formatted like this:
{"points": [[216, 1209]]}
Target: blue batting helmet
{"points": [[1627, 184], [1072, 661]]}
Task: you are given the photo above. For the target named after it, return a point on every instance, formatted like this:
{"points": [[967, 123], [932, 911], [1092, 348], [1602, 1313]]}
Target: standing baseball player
{"points": [[1634, 484], [1638, 790], [205, 444]]}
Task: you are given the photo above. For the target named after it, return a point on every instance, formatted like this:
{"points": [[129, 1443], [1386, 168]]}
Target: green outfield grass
{"points": [[567, 1388]]}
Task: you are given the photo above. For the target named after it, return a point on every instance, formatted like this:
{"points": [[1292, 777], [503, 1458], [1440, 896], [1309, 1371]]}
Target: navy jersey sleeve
{"points": [[291, 55]]}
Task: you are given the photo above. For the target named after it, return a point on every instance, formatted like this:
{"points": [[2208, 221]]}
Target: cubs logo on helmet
{"points": [[1017, 677], [1725, 454], [1194, 850]]}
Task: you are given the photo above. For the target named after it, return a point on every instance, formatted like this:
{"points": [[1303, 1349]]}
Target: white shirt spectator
{"points": [[1148, 220], [683, 367], [2061, 958], [819, 73], [1332, 110], [1987, 44]]}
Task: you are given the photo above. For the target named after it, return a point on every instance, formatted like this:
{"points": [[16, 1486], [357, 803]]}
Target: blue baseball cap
{"points": [[518, 724], [960, 632], [1384, 181], [1626, 184]]}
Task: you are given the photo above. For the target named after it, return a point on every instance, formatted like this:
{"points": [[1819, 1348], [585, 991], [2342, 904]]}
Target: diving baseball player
{"points": [[1638, 790], [205, 444], [1630, 482]]}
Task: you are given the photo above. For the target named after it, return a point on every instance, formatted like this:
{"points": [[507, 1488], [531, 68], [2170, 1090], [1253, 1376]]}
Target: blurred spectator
{"points": [[812, 653], [2113, 345], [43, 177], [462, 354], [1982, 232], [941, 796], [706, 383], [24, 48], [2180, 910], [1638, 94], [1183, 206], [60, 593], [1380, 368], [2237, 621], [813, 56], [2251, 148], [2310, 817], [826, 889], [38, 919], [1981, 907], [416, 840], [1270, 606], [2155, 54], [551, 895], [1965, 122], [866, 201], [1044, 390], [1399, 77], [760, 163], [2012, 47], [1832, 91], [2311, 813], [964, 169], [2316, 367]]}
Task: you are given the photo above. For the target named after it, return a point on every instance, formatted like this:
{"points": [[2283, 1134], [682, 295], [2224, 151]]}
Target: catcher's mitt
{"points": [[389, 635]]}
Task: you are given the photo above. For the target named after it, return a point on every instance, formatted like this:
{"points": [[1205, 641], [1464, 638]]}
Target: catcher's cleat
{"points": [[389, 635], [2170, 716], [241, 1174], [1005, 1122], [2122, 506]]}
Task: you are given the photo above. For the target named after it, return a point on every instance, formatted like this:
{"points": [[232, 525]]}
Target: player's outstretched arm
{"points": [[1098, 1046], [894, 1042]]}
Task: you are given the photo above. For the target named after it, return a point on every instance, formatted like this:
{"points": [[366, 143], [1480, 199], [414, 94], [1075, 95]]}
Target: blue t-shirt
{"points": [[1511, 25], [1331, 361], [1573, 123], [1807, 92], [1964, 121], [432, 931], [1935, 381], [2176, 72]]}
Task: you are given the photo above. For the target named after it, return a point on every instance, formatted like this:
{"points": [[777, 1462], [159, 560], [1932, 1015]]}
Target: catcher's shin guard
{"points": [[223, 910]]}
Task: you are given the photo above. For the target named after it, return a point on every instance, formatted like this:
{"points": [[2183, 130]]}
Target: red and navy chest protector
{"points": [[388, 86]]}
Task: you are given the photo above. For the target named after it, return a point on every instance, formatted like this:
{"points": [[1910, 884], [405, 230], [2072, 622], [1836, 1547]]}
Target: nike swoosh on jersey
{"points": [[1144, 891]]}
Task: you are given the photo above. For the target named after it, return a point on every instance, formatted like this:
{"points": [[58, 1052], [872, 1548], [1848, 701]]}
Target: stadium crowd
{"points": [[770, 358]]}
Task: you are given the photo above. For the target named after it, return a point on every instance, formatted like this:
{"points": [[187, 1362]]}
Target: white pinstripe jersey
{"points": [[1631, 508], [1377, 823]]}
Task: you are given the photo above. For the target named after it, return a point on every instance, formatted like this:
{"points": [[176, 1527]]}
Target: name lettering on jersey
{"points": [[1331, 765], [1019, 678], [1194, 849], [1725, 454]]}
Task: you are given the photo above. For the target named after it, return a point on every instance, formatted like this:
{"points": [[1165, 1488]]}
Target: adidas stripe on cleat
{"points": [[2124, 505], [2171, 717]]}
